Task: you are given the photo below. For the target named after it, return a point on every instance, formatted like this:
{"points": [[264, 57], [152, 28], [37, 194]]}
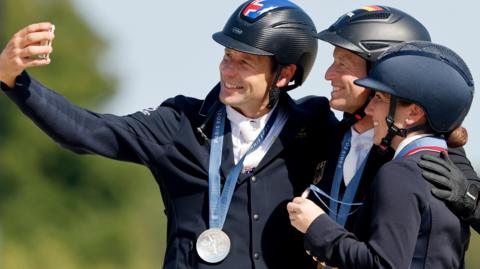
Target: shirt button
{"points": [[254, 179], [256, 256], [256, 216]]}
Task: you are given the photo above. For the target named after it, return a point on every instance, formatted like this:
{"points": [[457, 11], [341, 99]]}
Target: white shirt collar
{"points": [[236, 117], [240, 145], [364, 139], [360, 145]]}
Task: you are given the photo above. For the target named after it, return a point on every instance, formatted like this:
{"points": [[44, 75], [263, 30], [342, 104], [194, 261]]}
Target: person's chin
{"points": [[337, 104], [378, 135], [377, 141], [225, 94], [226, 99]]}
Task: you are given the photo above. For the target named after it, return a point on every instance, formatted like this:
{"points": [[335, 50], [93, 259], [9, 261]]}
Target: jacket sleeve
{"points": [[474, 220], [82, 131], [459, 158], [392, 232]]}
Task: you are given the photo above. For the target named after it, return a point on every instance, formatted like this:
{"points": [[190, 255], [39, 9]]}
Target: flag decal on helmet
{"points": [[257, 8], [252, 8], [372, 8]]}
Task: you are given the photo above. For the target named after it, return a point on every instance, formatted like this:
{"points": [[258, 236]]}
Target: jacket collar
{"points": [[296, 120], [210, 103]]}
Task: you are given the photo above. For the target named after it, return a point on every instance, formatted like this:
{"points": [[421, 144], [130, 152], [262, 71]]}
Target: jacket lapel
{"points": [[204, 127], [207, 111]]}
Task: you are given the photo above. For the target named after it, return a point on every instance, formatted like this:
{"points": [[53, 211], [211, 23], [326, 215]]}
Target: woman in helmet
{"points": [[423, 92]]}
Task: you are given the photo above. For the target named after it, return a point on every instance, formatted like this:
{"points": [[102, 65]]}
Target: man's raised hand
{"points": [[28, 47]]}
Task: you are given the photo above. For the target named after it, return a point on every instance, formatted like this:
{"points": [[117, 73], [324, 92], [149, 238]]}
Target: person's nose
{"points": [[370, 107], [228, 68], [330, 73]]}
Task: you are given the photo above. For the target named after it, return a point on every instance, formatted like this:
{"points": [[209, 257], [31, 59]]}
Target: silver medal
{"points": [[213, 245]]}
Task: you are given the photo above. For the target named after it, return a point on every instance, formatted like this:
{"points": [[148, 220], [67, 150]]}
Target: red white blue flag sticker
{"points": [[372, 8], [365, 9], [257, 8]]}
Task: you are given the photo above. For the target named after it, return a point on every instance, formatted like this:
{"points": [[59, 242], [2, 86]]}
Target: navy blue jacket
{"points": [[398, 215], [166, 140], [375, 159]]}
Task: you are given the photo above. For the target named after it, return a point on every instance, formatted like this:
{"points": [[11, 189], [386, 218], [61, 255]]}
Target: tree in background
{"points": [[58, 209]]}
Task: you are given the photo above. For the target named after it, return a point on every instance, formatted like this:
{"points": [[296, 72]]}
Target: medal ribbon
{"points": [[339, 210], [426, 143], [220, 202], [318, 192]]}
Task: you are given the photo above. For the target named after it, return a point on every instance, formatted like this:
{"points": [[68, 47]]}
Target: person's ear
{"points": [[286, 75], [415, 116]]}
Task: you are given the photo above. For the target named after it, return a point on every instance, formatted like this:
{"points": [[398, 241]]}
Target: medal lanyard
{"points": [[340, 214], [220, 202], [430, 143]]}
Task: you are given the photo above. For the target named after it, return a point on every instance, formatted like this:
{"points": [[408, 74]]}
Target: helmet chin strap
{"points": [[359, 114], [274, 92], [394, 130]]}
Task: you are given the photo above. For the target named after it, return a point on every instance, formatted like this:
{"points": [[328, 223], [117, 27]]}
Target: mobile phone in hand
{"points": [[47, 43]]}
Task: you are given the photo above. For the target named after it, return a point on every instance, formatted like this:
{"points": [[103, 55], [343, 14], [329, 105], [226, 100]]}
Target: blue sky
{"points": [[159, 49]]}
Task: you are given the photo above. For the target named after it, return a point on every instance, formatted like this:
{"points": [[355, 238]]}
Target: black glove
{"points": [[451, 186]]}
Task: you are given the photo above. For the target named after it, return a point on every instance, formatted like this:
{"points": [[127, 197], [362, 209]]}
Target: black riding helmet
{"points": [[429, 75], [276, 28], [368, 32]]}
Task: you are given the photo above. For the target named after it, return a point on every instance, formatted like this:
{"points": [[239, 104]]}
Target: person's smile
{"points": [[337, 91], [231, 86]]}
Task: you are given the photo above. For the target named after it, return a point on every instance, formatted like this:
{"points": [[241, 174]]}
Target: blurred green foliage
{"points": [[58, 209], [61, 210]]}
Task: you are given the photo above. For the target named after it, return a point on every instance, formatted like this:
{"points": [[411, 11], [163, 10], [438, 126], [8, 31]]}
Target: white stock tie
{"points": [[248, 132]]}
